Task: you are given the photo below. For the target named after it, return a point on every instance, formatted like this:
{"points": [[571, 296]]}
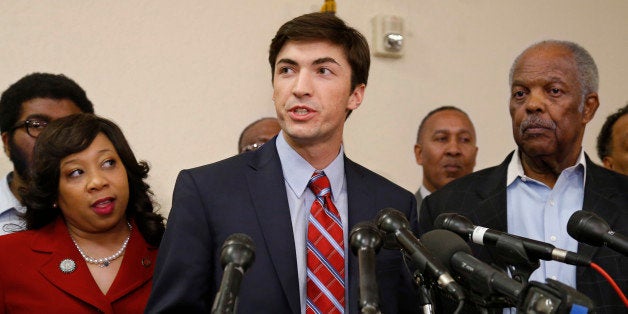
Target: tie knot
{"points": [[319, 183]]}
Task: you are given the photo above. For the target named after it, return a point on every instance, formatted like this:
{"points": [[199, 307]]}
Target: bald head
{"points": [[258, 133]]}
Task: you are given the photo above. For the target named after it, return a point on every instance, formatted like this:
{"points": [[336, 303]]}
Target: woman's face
{"points": [[94, 188]]}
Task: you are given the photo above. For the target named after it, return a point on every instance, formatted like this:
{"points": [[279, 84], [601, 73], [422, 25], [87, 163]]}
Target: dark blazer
{"points": [[247, 194], [481, 197], [32, 282]]}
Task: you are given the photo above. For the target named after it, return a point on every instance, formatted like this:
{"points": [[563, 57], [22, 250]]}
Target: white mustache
{"points": [[536, 121]]}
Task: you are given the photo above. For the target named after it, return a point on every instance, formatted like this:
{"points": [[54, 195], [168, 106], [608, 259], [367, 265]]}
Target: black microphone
{"points": [[478, 276], [591, 229], [535, 297], [366, 240], [393, 223], [236, 256], [489, 237]]}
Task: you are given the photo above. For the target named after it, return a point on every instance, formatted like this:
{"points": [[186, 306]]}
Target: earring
{"points": [[54, 205]]}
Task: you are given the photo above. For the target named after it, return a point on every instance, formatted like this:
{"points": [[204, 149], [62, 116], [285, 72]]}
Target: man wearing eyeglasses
{"points": [[26, 108], [257, 133]]}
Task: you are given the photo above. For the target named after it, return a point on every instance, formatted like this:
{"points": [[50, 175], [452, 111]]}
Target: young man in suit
{"points": [[319, 69], [534, 192]]}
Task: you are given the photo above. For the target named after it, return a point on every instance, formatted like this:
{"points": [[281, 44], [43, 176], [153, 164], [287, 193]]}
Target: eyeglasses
{"points": [[33, 127], [252, 147]]}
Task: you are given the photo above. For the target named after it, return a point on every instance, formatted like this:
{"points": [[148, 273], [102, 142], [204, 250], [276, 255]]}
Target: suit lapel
{"points": [[492, 206], [268, 192], [597, 196], [491, 211], [360, 204], [57, 242], [136, 269]]}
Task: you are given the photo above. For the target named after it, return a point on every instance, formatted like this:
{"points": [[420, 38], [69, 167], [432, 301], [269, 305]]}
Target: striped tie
{"points": [[325, 252]]}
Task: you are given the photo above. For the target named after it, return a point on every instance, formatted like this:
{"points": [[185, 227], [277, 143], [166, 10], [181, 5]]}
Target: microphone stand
{"points": [[225, 301], [425, 300]]}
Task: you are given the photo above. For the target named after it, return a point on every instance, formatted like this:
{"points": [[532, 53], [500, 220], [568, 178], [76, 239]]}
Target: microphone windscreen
{"points": [[587, 227], [573, 225], [238, 248], [444, 244], [365, 235], [389, 221], [439, 222], [454, 222]]}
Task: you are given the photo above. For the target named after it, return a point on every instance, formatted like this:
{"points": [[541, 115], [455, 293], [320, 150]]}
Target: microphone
{"points": [[489, 237], [535, 297], [393, 223], [478, 276], [365, 241], [236, 256], [591, 229]]}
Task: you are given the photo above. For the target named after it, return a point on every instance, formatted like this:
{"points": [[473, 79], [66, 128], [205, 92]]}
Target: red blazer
{"points": [[32, 282]]}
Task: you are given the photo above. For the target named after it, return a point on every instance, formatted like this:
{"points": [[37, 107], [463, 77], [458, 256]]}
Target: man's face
{"points": [[19, 145], [447, 148], [312, 92], [618, 158], [548, 110]]}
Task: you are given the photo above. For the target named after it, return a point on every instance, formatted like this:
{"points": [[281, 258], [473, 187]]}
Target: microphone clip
{"points": [[510, 253]]}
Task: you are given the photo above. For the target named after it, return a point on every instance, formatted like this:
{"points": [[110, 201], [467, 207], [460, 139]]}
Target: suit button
{"points": [[146, 262]]}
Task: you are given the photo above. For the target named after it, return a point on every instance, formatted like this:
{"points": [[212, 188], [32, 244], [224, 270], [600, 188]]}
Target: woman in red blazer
{"points": [[92, 233]]}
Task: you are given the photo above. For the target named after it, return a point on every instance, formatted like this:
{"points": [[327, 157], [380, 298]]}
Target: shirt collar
{"points": [[424, 191], [515, 167], [297, 171], [7, 199]]}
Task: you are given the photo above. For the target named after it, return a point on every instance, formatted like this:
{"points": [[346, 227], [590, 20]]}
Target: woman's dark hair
{"points": [[73, 134]]}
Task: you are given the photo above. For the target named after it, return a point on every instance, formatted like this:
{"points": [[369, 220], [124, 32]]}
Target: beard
{"points": [[19, 157]]}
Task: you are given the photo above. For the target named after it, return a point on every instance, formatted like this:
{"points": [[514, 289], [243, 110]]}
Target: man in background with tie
{"points": [[445, 149], [297, 197]]}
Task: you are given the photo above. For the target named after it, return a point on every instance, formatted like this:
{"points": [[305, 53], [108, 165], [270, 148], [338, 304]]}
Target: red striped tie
{"points": [[325, 252]]}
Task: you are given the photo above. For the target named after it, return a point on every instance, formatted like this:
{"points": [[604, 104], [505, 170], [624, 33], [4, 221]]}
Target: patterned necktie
{"points": [[325, 252]]}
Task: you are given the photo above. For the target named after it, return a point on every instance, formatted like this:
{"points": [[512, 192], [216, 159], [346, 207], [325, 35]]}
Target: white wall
{"points": [[182, 79]]}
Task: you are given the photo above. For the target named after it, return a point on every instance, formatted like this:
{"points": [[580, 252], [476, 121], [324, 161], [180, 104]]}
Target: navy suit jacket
{"points": [[481, 197], [247, 194]]}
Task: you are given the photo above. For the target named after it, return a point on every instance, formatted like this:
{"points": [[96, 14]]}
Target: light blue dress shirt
{"points": [[10, 209], [297, 173], [539, 212]]}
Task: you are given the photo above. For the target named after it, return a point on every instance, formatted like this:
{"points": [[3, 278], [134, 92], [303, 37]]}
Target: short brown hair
{"points": [[326, 26]]}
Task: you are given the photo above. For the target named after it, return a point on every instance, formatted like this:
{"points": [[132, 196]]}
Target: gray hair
{"points": [[587, 70]]}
